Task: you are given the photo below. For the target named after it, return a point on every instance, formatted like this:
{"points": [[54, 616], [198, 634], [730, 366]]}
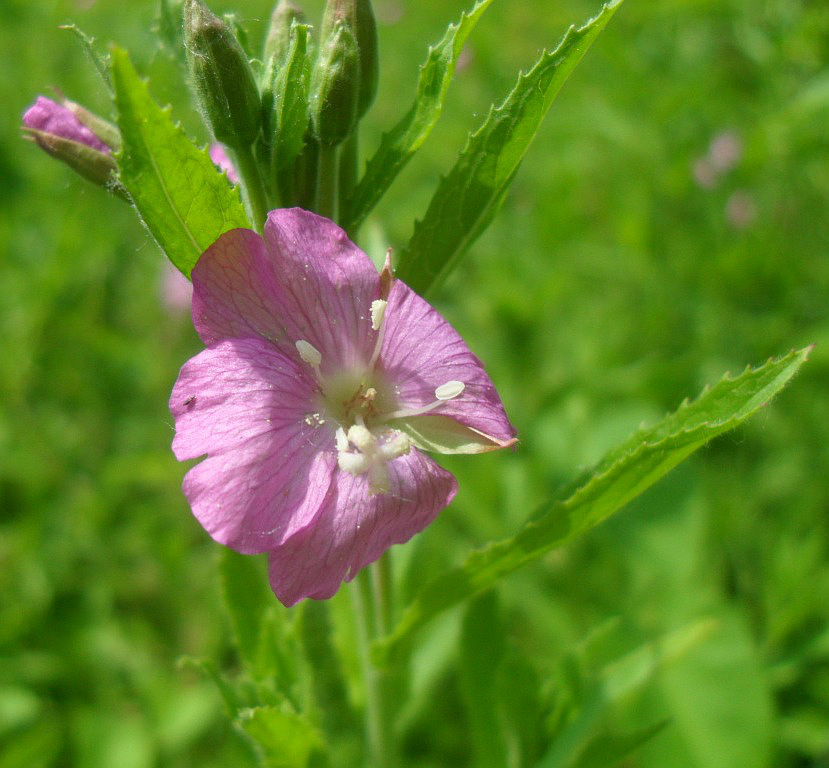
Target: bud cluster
{"points": [[281, 119]]}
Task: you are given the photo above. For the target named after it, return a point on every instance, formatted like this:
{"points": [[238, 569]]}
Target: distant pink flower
{"points": [[48, 117], [176, 290], [218, 155], [321, 381]]}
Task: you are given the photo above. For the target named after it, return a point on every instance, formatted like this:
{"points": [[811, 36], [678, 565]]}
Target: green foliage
{"points": [[621, 476], [285, 739], [185, 202], [583, 739], [469, 196], [401, 142], [611, 284]]}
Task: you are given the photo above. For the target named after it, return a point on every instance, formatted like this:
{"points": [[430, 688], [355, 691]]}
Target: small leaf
{"points": [[399, 145], [183, 199], [286, 739], [620, 477], [98, 61], [466, 200]]}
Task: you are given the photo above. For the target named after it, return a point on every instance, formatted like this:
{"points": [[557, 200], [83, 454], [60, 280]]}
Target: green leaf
{"points": [[98, 60], [469, 196], [584, 737], [609, 749], [399, 145], [620, 477], [481, 656], [180, 195], [246, 600], [286, 739], [720, 703]]}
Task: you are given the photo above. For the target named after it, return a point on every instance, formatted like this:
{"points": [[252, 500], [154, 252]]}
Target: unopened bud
{"points": [[57, 129], [358, 16], [335, 87], [278, 39], [222, 77]]}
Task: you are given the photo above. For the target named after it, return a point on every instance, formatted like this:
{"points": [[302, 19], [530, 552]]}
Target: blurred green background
{"points": [[669, 224]]}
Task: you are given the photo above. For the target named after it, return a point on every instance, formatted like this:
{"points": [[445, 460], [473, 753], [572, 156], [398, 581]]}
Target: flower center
{"points": [[362, 402]]}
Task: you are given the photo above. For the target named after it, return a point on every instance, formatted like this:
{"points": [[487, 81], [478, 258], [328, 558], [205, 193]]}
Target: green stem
{"points": [[327, 184], [252, 187], [349, 162], [379, 737]]}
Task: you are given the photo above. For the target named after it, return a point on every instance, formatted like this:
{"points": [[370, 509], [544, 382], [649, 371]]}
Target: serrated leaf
{"points": [[469, 196], [399, 145], [285, 738], [621, 476], [98, 61], [183, 199]]}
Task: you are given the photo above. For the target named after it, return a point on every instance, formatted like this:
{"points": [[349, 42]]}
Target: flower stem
{"points": [[378, 709], [252, 186], [349, 161], [327, 182]]}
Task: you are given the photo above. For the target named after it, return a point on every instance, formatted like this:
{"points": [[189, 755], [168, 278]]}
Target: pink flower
{"points": [[321, 383], [47, 117], [220, 159]]}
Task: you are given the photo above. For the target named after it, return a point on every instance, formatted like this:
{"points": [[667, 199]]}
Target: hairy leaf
{"points": [[621, 476], [401, 142], [180, 195], [469, 196]]}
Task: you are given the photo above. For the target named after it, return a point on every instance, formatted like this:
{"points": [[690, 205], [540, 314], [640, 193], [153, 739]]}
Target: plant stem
{"points": [[379, 737], [252, 186], [327, 175], [349, 162]]}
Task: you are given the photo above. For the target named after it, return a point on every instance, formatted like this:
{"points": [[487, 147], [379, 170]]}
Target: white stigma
{"points": [[447, 391], [372, 454]]}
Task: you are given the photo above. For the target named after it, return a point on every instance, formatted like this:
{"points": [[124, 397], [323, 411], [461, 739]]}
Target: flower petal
{"points": [[271, 456], [422, 352], [305, 282], [236, 294], [329, 285], [356, 527]]}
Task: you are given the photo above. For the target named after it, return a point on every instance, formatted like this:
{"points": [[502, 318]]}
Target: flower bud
{"points": [[223, 80], [358, 16], [335, 87], [278, 39], [59, 130]]}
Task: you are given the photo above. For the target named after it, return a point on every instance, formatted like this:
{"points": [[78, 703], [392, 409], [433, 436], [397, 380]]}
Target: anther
{"points": [[378, 312], [447, 391], [309, 354]]}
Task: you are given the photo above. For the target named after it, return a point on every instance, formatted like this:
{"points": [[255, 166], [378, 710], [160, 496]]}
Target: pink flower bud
{"points": [[48, 117], [76, 137]]}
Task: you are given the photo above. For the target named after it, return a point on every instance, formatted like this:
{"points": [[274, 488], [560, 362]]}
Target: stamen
{"points": [[378, 312], [309, 354], [378, 323], [447, 391]]}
